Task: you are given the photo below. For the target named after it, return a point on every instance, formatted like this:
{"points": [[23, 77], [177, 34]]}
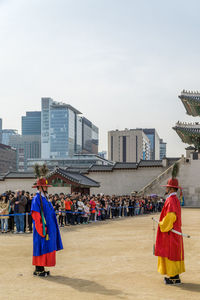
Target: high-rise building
{"points": [[153, 136], [58, 130], [128, 145], [64, 132], [31, 123], [90, 137], [163, 149], [6, 134], [8, 159], [79, 134], [1, 122], [27, 146]]}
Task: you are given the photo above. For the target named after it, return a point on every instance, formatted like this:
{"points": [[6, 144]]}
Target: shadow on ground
{"points": [[193, 287], [83, 285]]}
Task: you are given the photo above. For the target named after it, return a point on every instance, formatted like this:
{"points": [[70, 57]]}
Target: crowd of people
{"points": [[73, 209]]}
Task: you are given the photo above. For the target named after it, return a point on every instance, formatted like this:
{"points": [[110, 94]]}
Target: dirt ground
{"points": [[111, 260]]}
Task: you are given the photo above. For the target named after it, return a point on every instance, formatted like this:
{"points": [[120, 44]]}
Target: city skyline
{"points": [[122, 65]]}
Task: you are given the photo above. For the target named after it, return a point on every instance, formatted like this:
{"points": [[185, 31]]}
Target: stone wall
{"points": [[190, 181], [26, 184], [124, 182]]}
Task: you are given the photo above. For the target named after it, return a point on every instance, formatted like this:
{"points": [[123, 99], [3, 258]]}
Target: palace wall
{"points": [[123, 182], [26, 184], [118, 182]]}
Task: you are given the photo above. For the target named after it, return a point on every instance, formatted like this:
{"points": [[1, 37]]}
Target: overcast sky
{"points": [[122, 63]]}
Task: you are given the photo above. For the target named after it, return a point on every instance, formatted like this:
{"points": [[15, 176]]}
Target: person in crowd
{"points": [[80, 205], [28, 210], [137, 208], [61, 209], [68, 204], [4, 211], [74, 209], [11, 222], [93, 209], [86, 216], [19, 202]]}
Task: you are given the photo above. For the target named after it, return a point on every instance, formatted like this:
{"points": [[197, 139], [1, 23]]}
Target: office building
{"points": [[64, 132], [90, 137], [154, 139], [8, 161], [1, 122], [163, 149], [128, 145], [6, 134], [31, 123], [27, 146]]}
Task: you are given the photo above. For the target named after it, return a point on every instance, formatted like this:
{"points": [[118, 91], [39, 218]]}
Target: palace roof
{"points": [[191, 102], [188, 133]]}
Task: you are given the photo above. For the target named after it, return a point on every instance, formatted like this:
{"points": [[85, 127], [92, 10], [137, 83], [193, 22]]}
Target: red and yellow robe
{"points": [[169, 246]]}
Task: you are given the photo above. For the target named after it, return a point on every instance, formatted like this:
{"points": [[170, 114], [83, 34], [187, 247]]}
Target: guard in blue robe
{"points": [[46, 233]]}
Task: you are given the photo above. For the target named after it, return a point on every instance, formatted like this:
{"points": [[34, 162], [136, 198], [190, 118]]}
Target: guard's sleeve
{"points": [[38, 222], [167, 222], [35, 205]]}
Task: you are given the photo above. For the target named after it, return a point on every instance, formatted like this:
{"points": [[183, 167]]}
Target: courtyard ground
{"points": [[111, 260]]}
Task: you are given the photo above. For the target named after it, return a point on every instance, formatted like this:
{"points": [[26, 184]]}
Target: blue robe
{"points": [[40, 244]]}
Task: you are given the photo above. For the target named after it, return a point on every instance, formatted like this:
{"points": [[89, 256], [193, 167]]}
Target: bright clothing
{"points": [[49, 241], [169, 267], [167, 242], [4, 210], [68, 204]]}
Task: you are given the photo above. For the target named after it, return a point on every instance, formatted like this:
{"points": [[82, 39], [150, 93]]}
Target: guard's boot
{"points": [[39, 271], [172, 280]]}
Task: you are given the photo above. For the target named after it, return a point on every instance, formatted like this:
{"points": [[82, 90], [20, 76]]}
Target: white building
{"points": [[128, 145]]}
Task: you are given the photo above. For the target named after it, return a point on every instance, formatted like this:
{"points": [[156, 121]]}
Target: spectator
{"points": [[19, 208], [68, 204], [4, 210]]}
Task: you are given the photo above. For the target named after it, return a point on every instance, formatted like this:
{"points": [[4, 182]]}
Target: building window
{"points": [[112, 148], [124, 148], [136, 146]]}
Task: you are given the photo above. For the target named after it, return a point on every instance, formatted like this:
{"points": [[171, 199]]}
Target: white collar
{"points": [[172, 194], [41, 193]]}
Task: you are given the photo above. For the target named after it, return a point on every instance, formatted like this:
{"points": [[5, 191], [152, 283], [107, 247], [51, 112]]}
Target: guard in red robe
{"points": [[169, 245], [46, 234]]}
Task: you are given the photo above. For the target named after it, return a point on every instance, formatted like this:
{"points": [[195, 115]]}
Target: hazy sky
{"points": [[122, 63]]}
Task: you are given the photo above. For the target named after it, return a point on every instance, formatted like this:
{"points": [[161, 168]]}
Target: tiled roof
{"points": [[75, 177], [190, 148], [150, 163], [20, 175], [120, 165], [96, 168]]}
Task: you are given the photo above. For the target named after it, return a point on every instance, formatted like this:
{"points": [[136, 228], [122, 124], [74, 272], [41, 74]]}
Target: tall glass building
{"points": [[31, 123], [58, 129], [7, 134], [154, 139], [64, 132], [79, 134], [163, 149], [90, 137], [27, 146]]}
